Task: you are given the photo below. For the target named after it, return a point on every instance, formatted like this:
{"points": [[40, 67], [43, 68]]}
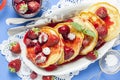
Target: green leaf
{"points": [[77, 26], [36, 30], [89, 32]]}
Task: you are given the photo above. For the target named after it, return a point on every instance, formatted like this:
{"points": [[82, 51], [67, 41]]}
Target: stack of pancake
{"points": [[86, 32]]}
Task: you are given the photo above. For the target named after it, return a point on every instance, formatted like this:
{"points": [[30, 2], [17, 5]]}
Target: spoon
{"points": [[11, 21]]}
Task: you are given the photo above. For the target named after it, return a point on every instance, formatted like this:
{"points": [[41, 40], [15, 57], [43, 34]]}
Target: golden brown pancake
{"points": [[112, 20], [75, 44], [55, 51], [89, 26]]}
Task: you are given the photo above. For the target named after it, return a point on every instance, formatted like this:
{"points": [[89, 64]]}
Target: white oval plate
{"points": [[73, 66]]}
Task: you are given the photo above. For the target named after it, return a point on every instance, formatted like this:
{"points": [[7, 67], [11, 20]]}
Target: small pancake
{"points": [[87, 25], [55, 51], [112, 20], [75, 44]]}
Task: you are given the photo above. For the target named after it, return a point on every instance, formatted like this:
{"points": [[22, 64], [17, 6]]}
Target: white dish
{"points": [[70, 67]]}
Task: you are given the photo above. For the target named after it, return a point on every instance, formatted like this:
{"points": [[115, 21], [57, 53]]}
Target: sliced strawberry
{"points": [[38, 49], [29, 43], [15, 47], [21, 7], [101, 12], [92, 55], [14, 65], [33, 33], [51, 67], [102, 31], [33, 75], [52, 40], [47, 77], [33, 6], [68, 52]]}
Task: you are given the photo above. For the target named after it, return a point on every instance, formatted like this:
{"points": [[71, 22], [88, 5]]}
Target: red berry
{"points": [[33, 6], [100, 43], [86, 41], [47, 78], [52, 40], [101, 12], [29, 43], [51, 67], [14, 65], [32, 34], [21, 7], [92, 55], [68, 52], [64, 30], [33, 75], [17, 1], [38, 49], [102, 31], [15, 47], [69, 20]]}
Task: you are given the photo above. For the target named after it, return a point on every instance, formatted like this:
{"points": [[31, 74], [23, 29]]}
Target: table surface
{"points": [[8, 12]]}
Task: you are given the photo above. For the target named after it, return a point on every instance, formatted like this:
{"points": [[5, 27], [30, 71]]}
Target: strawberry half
{"points": [[33, 6], [15, 47], [33, 33], [22, 7], [92, 55], [33, 75], [47, 78], [14, 65]]}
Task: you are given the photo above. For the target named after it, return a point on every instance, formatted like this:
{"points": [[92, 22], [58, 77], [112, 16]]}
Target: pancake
{"points": [[55, 51], [92, 40], [111, 18], [75, 44], [98, 23]]}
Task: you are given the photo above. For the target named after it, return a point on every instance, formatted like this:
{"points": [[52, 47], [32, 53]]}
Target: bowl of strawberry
{"points": [[27, 8]]}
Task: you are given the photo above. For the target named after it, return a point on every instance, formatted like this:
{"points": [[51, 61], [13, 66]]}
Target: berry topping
{"points": [[33, 6], [46, 51], [40, 58], [29, 43], [64, 30], [92, 55], [33, 75], [43, 37], [15, 47], [33, 33], [14, 65], [68, 52], [101, 12], [52, 40], [51, 67], [100, 43], [22, 7], [47, 78], [37, 49], [71, 36]]}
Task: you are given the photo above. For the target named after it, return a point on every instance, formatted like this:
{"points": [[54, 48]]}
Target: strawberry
{"points": [[15, 47], [51, 67], [38, 49], [101, 12], [68, 52], [17, 1], [52, 40], [33, 75], [14, 65], [33, 33], [47, 77], [22, 7], [33, 6], [92, 55]]}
